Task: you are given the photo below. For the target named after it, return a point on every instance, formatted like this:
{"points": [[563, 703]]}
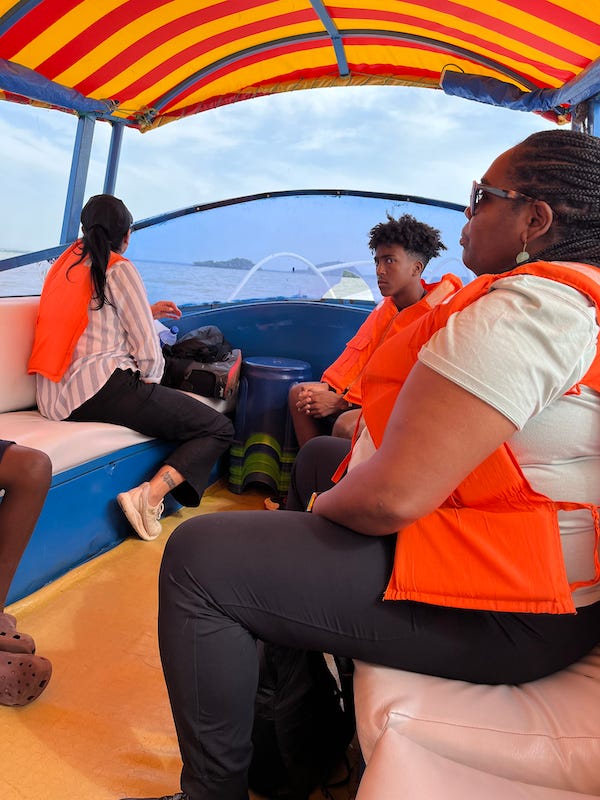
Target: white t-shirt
{"points": [[520, 348]]}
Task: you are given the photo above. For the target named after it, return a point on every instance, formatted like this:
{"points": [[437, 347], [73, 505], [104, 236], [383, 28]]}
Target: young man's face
{"points": [[396, 270]]}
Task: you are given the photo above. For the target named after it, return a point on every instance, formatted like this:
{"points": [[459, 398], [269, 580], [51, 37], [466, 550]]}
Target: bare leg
{"points": [[166, 479], [25, 475], [346, 423]]}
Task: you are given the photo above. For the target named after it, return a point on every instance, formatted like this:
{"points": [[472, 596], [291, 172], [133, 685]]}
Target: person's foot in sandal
{"points": [[23, 677], [11, 640]]}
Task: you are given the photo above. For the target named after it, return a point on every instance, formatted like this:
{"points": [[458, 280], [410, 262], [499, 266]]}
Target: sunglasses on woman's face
{"points": [[479, 190]]}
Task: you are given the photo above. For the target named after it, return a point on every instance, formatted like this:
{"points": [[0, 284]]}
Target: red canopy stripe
{"points": [[31, 25], [287, 49], [518, 36], [120, 63], [91, 37]]}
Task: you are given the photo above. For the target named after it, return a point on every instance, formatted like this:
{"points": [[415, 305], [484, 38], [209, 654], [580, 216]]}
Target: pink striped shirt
{"points": [[120, 335]]}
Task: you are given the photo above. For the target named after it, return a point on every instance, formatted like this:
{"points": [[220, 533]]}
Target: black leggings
{"points": [[201, 433], [299, 580]]}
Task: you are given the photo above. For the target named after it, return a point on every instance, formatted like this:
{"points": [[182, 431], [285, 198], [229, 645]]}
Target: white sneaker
{"points": [[143, 517]]}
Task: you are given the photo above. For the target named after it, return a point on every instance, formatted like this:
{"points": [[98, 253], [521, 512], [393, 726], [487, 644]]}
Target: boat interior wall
{"points": [[308, 331], [423, 736]]}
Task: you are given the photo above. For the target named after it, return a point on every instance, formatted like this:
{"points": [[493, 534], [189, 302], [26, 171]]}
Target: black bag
{"points": [[219, 379], [202, 362], [206, 344], [303, 724]]}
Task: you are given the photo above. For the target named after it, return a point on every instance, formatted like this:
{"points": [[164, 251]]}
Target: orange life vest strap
{"points": [[63, 312]]}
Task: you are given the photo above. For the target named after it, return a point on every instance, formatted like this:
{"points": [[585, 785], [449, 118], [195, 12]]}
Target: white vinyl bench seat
{"points": [[424, 737], [69, 444]]}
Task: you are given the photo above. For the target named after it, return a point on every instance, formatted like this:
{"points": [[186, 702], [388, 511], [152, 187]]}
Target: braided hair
{"points": [[407, 232], [105, 221], [562, 167]]}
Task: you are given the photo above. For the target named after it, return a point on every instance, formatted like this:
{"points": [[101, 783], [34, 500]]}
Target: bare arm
{"points": [[165, 309], [437, 434]]}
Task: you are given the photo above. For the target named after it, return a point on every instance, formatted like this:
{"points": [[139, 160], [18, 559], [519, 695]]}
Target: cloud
{"points": [[379, 138]]}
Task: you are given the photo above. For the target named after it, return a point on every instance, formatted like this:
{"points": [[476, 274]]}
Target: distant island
{"points": [[232, 263], [246, 264]]}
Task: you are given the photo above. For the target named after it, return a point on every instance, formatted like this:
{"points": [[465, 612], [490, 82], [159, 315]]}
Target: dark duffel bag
{"points": [[219, 379], [204, 344]]}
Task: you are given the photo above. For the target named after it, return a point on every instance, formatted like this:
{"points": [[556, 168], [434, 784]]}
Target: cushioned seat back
{"points": [[17, 323]]}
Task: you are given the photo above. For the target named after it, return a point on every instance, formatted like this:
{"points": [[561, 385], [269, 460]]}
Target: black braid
{"points": [[562, 167]]}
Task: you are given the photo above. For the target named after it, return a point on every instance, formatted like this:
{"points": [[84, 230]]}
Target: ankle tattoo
{"points": [[168, 479]]}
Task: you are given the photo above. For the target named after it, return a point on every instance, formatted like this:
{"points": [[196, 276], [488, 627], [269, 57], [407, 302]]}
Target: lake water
{"points": [[192, 284]]}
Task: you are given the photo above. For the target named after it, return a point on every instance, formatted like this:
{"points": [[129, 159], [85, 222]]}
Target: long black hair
{"points": [[562, 167], [105, 221]]}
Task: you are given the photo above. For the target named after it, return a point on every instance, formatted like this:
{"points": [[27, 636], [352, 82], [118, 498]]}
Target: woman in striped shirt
{"points": [[97, 358]]}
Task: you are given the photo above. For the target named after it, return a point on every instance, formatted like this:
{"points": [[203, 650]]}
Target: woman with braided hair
{"points": [[475, 515], [98, 359], [563, 168]]}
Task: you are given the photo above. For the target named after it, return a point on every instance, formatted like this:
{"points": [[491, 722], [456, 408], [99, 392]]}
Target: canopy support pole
{"points": [[112, 165], [82, 150], [336, 39], [594, 115]]}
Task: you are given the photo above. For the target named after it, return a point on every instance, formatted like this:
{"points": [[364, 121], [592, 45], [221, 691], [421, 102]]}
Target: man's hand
{"points": [[317, 401]]}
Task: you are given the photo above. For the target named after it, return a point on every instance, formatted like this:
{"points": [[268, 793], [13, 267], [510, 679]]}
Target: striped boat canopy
{"points": [[148, 62]]}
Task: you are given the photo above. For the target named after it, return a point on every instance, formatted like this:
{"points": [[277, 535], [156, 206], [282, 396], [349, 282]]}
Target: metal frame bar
{"points": [[336, 39], [80, 162], [594, 115], [16, 13], [391, 35], [112, 163]]}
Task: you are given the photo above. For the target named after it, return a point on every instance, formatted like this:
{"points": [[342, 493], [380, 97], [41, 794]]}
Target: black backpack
{"points": [[206, 344], [219, 379], [203, 362], [303, 724]]}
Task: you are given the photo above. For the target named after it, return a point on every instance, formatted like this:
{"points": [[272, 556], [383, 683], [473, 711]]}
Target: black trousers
{"points": [[317, 461], [200, 433], [298, 580]]}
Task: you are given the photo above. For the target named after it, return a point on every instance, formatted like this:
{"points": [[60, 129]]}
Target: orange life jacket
{"points": [[384, 321], [63, 312], [494, 544]]}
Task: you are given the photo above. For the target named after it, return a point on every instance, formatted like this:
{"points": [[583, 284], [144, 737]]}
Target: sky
{"points": [[389, 139]]}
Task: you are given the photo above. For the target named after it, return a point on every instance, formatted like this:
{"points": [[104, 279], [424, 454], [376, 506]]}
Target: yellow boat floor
{"points": [[102, 729]]}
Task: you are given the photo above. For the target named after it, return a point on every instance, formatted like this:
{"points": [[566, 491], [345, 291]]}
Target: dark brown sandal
{"points": [[23, 678], [11, 641]]}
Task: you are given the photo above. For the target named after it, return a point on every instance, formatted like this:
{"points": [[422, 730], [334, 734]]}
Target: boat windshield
{"points": [[307, 245]]}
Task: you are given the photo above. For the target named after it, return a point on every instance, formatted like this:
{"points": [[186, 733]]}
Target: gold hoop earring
{"points": [[523, 256]]}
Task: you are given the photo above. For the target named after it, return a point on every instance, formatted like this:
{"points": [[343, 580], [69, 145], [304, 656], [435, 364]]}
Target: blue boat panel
{"points": [[69, 531], [309, 331]]}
